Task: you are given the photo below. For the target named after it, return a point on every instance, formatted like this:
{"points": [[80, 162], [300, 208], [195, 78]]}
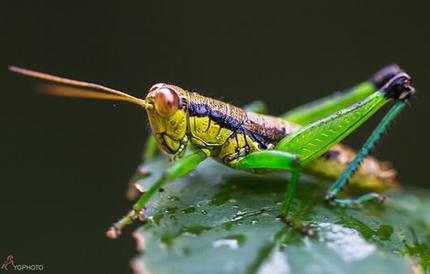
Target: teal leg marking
{"points": [[178, 169], [256, 107], [364, 151], [276, 160], [359, 201]]}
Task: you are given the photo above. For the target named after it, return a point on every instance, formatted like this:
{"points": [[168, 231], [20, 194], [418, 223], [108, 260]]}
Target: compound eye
{"points": [[166, 102]]}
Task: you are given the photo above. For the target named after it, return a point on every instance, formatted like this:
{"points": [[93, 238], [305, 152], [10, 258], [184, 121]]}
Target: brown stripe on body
{"points": [[267, 130], [227, 115]]}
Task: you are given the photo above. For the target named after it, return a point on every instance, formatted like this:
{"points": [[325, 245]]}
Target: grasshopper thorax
{"points": [[168, 117]]}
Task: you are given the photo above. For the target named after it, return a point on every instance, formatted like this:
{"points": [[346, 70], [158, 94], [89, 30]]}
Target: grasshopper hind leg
{"points": [[353, 166], [312, 141], [320, 108], [358, 202]]}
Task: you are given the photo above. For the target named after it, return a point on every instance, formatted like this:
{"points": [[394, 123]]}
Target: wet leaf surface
{"points": [[218, 220]]}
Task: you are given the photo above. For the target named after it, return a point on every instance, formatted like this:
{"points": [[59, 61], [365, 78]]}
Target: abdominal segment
{"points": [[372, 174]]}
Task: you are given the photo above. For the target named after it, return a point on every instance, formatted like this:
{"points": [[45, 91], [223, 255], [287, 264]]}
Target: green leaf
{"points": [[219, 220]]}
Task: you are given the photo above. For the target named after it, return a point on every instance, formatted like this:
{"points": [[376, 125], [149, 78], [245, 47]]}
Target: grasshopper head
{"points": [[168, 116], [165, 104]]}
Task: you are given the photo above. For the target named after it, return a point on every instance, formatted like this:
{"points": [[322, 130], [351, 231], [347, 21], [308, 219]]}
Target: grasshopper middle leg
{"points": [[276, 160]]}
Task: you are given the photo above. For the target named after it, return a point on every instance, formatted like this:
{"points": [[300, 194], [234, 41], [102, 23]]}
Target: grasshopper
{"points": [[305, 139]]}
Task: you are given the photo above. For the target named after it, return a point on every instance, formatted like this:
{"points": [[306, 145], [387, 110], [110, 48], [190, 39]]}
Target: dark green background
{"points": [[65, 164]]}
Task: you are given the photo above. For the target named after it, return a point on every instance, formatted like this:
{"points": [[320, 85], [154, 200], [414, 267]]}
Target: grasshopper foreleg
{"points": [[178, 169]]}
